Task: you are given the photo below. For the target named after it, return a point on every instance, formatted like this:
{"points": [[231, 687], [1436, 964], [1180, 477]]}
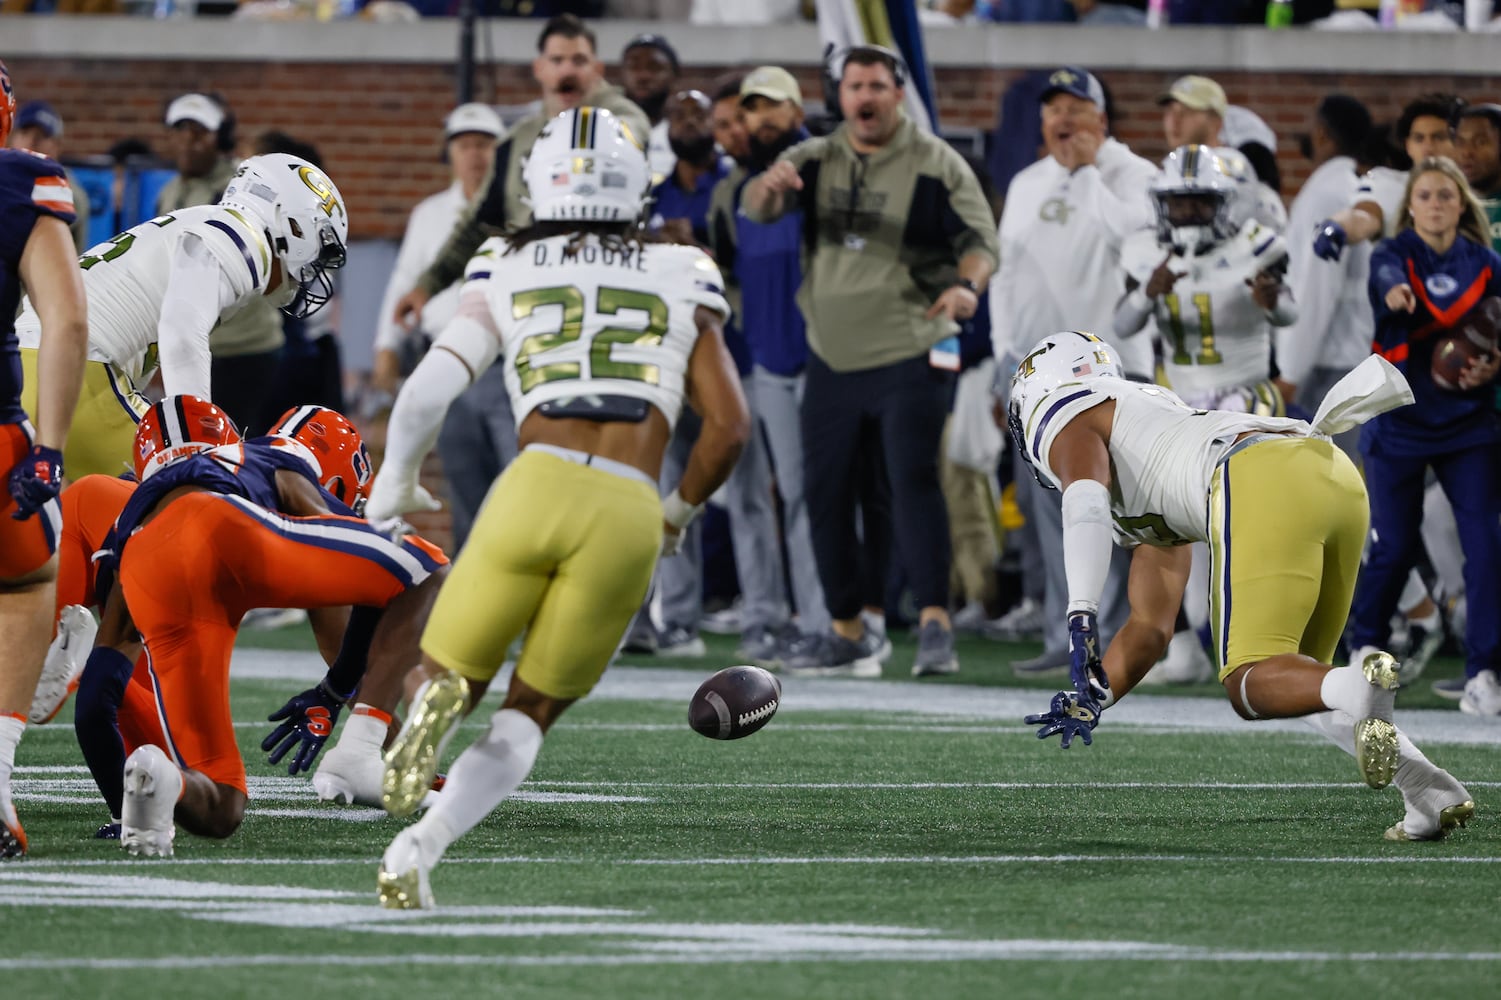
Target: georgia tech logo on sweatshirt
{"points": [[1055, 210]]}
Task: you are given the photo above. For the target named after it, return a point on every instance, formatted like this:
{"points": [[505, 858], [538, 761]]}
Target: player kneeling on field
{"points": [[602, 336], [219, 526], [1135, 459]]}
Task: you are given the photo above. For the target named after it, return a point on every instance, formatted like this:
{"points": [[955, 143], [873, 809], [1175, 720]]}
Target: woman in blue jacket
{"points": [[1424, 281]]}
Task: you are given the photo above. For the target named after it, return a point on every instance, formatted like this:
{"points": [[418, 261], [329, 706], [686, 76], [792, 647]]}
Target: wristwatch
{"points": [[966, 283]]}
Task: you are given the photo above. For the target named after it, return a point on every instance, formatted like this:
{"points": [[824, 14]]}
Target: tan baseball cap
{"points": [[1197, 92], [773, 83]]}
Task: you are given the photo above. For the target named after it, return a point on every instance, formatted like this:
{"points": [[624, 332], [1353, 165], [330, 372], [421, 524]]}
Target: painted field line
{"points": [[935, 859], [271, 784], [937, 951]]}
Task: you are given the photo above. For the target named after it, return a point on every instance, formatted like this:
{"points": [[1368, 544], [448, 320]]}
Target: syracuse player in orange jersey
{"points": [[36, 208], [256, 522]]}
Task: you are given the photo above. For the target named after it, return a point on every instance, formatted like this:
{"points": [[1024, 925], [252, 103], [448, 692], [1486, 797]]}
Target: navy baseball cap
{"points": [[1076, 82], [654, 41], [40, 115]]}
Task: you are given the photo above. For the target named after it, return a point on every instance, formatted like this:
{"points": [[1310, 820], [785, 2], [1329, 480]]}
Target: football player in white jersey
{"points": [[156, 291], [603, 337], [1284, 513], [1212, 280]]}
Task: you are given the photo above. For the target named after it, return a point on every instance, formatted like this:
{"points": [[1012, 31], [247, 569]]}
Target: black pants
{"points": [[244, 386], [870, 439]]}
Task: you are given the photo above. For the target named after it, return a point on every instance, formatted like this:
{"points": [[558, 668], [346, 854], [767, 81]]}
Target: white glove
{"points": [[389, 498]]}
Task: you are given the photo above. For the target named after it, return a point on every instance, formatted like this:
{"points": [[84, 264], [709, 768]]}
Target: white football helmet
{"points": [[1064, 358], [304, 219], [586, 166], [1195, 196]]}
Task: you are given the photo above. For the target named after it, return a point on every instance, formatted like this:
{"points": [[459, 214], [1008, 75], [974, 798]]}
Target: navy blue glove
{"points": [[1069, 715], [1085, 669], [1329, 242], [36, 479], [307, 719]]}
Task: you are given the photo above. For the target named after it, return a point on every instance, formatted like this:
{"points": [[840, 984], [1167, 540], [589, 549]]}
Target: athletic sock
{"points": [[1346, 689], [11, 728], [487, 772]]}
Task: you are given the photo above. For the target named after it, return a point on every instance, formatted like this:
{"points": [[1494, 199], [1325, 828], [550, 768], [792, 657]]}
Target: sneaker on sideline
{"points": [[676, 642], [1022, 622], [1184, 663], [725, 621], [1043, 665], [1482, 695], [641, 637], [1452, 688], [935, 651], [969, 619], [832, 655], [271, 619], [761, 645]]}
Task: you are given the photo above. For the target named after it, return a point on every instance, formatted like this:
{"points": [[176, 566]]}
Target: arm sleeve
{"points": [[1087, 543], [198, 292], [469, 344]]}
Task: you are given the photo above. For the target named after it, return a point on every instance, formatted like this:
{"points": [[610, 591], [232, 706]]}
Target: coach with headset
{"points": [[246, 347], [898, 240]]}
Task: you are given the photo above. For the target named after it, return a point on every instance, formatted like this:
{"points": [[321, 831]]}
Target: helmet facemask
{"points": [[315, 285], [1192, 220]]}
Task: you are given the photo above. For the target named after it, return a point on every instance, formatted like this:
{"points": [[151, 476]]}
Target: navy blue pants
{"points": [[1471, 479], [868, 434]]}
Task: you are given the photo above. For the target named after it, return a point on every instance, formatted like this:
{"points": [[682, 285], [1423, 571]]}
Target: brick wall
{"points": [[376, 124]]}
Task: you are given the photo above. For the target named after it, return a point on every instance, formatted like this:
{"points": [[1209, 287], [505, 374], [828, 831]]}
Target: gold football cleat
{"points": [[403, 890], [1376, 738], [412, 761], [1456, 815]]}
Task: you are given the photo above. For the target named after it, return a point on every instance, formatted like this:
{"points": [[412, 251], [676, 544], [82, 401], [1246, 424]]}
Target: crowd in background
{"points": [[868, 504]]}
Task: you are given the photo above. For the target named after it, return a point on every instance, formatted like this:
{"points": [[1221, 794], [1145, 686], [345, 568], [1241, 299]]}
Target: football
{"points": [[735, 702], [1476, 335]]}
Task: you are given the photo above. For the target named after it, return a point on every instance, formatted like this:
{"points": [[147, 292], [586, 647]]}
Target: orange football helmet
{"points": [[177, 427], [338, 447]]}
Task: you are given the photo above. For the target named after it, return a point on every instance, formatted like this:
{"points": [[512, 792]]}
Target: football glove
{"points": [[1070, 716], [1330, 239], [307, 721], [36, 479], [1085, 669]]}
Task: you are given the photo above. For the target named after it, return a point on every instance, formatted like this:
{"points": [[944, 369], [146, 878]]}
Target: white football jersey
{"points": [[597, 322], [125, 281], [1385, 187], [1162, 452], [1214, 336]]}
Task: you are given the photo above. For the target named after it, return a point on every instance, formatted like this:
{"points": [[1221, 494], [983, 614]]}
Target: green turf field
{"points": [[878, 839]]}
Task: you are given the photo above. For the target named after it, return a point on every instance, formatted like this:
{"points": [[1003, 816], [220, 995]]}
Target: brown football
{"points": [[1476, 335], [735, 702]]}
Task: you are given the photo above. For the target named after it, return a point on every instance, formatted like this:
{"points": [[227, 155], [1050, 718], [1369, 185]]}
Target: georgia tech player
{"points": [[1216, 294], [1134, 460], [155, 292], [602, 337]]}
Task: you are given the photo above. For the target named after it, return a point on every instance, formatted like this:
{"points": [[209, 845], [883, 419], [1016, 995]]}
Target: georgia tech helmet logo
{"points": [[321, 186], [1063, 78], [1055, 210]]}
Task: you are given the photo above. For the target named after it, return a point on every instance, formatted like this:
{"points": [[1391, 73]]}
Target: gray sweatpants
{"points": [[476, 443]]}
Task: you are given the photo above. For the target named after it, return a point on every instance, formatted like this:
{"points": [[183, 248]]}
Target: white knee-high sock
{"points": [[11, 728], [1413, 768], [482, 776]]}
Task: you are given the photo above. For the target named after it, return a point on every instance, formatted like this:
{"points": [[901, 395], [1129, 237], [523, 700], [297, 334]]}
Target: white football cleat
{"points": [[1434, 810], [63, 667], [350, 777], [153, 784], [1482, 695], [402, 882]]}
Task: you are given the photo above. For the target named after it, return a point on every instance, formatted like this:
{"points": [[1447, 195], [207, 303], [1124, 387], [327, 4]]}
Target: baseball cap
{"points": [[40, 115], [1077, 82], [198, 108], [1197, 92], [773, 83], [657, 42], [1242, 125], [472, 117]]}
